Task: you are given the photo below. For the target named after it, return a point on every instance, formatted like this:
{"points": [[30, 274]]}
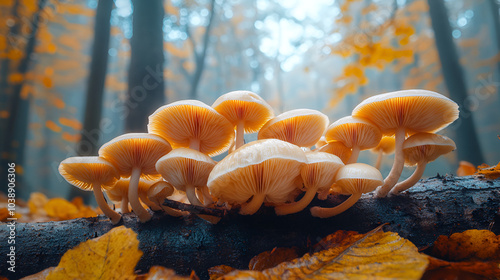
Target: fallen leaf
{"points": [[218, 271], [469, 245], [272, 258], [60, 208], [4, 214], [465, 168], [111, 256], [162, 273], [42, 275], [36, 203], [490, 172], [490, 269], [374, 255]]}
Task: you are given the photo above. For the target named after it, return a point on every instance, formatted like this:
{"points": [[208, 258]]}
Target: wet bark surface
{"points": [[437, 206]]}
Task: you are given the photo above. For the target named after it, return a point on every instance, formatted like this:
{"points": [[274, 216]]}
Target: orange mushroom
{"points": [[354, 179], [187, 169], [93, 173], [192, 124], [420, 149], [318, 175], [356, 133], [247, 111], [119, 193], [403, 113], [385, 147], [263, 170], [157, 194], [321, 142], [336, 148], [302, 127], [135, 156]]}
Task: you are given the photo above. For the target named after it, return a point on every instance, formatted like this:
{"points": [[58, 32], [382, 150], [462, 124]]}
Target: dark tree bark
{"points": [[468, 146], [17, 122], [145, 78], [89, 142], [199, 57], [438, 206]]}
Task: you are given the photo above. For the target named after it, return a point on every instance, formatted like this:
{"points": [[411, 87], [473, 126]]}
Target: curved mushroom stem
{"points": [[295, 207], [113, 216], [194, 144], [321, 212], [191, 195], [410, 181], [354, 155], [133, 196], [240, 134], [254, 204], [379, 159], [144, 198], [397, 166], [207, 197], [125, 208]]}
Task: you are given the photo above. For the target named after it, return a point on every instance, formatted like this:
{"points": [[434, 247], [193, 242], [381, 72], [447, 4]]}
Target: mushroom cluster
{"points": [[297, 152]]}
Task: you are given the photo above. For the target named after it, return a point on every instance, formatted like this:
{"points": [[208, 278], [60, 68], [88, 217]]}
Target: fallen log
{"points": [[436, 206]]}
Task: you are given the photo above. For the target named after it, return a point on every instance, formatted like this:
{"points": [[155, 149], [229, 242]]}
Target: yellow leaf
{"points": [[468, 245], [490, 172], [36, 202], [111, 256], [376, 255], [465, 168], [60, 208]]}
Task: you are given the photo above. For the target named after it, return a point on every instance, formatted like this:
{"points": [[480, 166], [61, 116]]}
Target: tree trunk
{"points": [[17, 122], [89, 141], [468, 146], [200, 59], [438, 206], [145, 78]]}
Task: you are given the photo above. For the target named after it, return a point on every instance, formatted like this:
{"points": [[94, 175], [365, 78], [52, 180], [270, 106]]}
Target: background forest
{"points": [[76, 73]]}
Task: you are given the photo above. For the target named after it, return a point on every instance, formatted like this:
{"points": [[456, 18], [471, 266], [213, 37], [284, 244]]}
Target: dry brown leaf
{"points": [[272, 258], [490, 172], [375, 255], [111, 256], [469, 245], [437, 267]]}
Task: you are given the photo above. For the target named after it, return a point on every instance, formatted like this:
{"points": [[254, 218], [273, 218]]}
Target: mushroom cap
{"points": [[182, 121], [160, 189], [268, 166], [302, 127], [244, 106], [336, 148], [184, 166], [358, 178], [354, 131], [135, 150], [320, 170], [387, 145], [83, 172], [415, 110], [321, 142], [426, 147]]}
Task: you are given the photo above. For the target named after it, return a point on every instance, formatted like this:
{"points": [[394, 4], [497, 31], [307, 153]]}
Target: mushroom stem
{"points": [[240, 132], [125, 208], [379, 159], [101, 202], [321, 212], [191, 195], [410, 181], [397, 166], [194, 144], [144, 198], [295, 207], [133, 196], [354, 155], [207, 197], [254, 204]]}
